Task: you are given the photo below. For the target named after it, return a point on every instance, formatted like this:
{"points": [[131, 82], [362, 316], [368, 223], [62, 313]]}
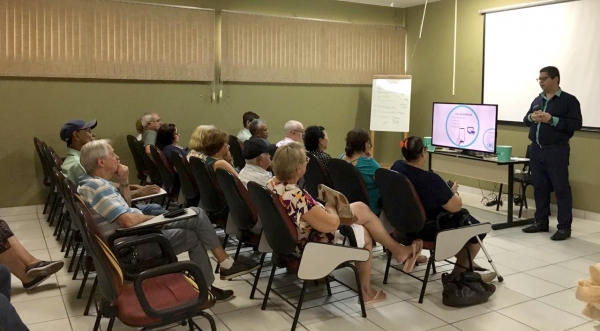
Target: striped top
{"points": [[104, 200]]}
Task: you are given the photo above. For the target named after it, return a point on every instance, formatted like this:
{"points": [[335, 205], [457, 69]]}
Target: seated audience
{"points": [[9, 318], [151, 123], [294, 131], [247, 118], [289, 165], [436, 198], [258, 160], [315, 142], [167, 140], [77, 133], [30, 270], [139, 128], [358, 145], [195, 144], [258, 128], [111, 210], [215, 144]]}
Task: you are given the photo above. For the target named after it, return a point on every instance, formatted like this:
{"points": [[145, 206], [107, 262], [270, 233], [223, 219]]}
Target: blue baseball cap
{"points": [[66, 132]]}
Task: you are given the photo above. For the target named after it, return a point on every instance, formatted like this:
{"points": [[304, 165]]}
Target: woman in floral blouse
{"points": [[289, 165]]}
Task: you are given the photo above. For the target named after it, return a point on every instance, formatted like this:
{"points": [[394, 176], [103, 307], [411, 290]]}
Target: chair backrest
{"points": [[149, 163], [109, 274], [526, 165], [186, 179], [280, 231], [54, 159], [137, 157], [401, 203], [210, 197], [316, 174], [449, 242], [348, 180], [235, 147], [241, 208], [39, 148], [167, 174]]}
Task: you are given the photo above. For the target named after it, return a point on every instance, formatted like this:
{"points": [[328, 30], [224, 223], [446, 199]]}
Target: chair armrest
{"points": [[320, 259], [192, 269], [129, 232]]}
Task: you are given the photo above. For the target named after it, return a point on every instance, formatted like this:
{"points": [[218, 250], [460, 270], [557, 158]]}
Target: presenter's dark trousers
{"points": [[550, 171]]}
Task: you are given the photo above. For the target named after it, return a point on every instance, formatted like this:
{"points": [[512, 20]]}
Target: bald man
{"points": [[294, 132]]}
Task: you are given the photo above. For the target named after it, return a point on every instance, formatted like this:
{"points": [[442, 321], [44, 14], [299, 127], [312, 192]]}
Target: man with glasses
{"points": [[294, 132], [552, 118], [151, 123]]}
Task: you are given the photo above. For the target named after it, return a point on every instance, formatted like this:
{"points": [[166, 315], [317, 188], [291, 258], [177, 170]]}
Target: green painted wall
{"points": [[431, 68], [39, 107]]}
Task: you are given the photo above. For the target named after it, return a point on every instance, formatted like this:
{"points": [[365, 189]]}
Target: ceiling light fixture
{"points": [[392, 4]]}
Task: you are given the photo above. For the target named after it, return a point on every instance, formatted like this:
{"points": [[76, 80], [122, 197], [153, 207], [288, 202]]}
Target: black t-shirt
{"points": [[430, 187]]}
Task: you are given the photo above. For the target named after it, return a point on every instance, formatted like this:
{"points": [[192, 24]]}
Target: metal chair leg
{"points": [[299, 306], [257, 277], [66, 247], [387, 268], [111, 323], [74, 257], [264, 305], [91, 298], [429, 264], [83, 281], [361, 299], [98, 319], [79, 262], [237, 251]]}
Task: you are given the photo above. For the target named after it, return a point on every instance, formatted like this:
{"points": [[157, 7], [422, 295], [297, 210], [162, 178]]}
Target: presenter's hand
{"points": [[535, 116], [545, 117]]}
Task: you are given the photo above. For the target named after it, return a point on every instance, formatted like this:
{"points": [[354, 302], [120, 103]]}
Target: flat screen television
{"points": [[469, 127]]}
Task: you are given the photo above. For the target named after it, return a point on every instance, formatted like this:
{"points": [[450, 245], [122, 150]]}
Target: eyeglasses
{"points": [[176, 133], [301, 131], [157, 121], [541, 79], [307, 159], [88, 130]]}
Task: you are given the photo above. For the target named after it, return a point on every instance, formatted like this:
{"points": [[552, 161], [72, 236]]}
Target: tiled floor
{"points": [[538, 292]]}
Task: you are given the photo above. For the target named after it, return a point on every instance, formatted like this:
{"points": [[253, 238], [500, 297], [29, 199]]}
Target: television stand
{"points": [[470, 153]]}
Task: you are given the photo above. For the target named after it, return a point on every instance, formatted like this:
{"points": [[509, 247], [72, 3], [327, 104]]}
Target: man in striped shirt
{"points": [[111, 209]]}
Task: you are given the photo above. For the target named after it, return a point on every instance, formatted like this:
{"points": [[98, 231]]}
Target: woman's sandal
{"points": [[379, 296], [409, 264]]}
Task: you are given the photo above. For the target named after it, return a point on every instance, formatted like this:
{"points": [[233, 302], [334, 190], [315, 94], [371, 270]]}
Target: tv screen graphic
{"points": [[465, 126]]}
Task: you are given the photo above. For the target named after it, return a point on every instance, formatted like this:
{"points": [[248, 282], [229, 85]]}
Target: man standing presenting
{"points": [[552, 119]]}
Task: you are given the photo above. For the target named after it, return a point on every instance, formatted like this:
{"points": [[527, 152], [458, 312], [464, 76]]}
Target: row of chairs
{"points": [[401, 207]]}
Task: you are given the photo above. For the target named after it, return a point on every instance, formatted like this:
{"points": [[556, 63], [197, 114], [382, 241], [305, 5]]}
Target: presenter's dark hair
{"points": [[249, 116], [552, 72], [312, 134], [165, 135], [412, 148], [356, 140]]}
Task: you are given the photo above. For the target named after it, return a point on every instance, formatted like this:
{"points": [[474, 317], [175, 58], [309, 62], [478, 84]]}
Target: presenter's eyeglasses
{"points": [[541, 79]]}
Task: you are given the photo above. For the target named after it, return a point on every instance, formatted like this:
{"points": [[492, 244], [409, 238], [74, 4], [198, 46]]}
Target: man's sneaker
{"points": [[34, 283], [536, 227], [561, 234], [221, 295], [44, 268], [238, 269]]}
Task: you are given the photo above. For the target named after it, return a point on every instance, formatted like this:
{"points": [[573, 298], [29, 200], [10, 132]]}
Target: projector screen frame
{"points": [[507, 8]]}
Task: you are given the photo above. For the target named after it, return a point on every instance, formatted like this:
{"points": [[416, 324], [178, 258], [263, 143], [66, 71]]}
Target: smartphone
{"points": [[461, 136]]}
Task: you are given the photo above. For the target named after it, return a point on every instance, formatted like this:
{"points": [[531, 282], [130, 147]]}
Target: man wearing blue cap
{"points": [[77, 133]]}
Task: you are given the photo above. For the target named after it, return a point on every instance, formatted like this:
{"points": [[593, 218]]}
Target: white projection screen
{"points": [[519, 42]]}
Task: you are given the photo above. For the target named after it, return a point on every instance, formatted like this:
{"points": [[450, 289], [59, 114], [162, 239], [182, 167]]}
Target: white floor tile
{"points": [[47, 289], [433, 305], [403, 314], [592, 326], [565, 300], [315, 314], [446, 328], [530, 286], [62, 324], [82, 323], [11, 219], [346, 323], [33, 244], [518, 261], [575, 246], [541, 316], [508, 243], [504, 297], [269, 319], [12, 211], [558, 275], [491, 322], [22, 234], [546, 254], [42, 310], [581, 265]]}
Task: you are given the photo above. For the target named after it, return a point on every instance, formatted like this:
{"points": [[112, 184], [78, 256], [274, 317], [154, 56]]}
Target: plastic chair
{"points": [[316, 174], [163, 295], [39, 148], [140, 166], [235, 148], [348, 180], [318, 260], [169, 179], [186, 179]]}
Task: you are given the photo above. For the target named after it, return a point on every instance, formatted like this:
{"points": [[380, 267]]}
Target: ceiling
{"points": [[388, 3]]}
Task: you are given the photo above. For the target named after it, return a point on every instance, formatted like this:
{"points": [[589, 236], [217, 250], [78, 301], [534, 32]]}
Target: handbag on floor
{"points": [[466, 289]]}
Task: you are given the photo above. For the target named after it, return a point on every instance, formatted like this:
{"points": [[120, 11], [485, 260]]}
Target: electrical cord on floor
{"points": [[490, 199]]}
